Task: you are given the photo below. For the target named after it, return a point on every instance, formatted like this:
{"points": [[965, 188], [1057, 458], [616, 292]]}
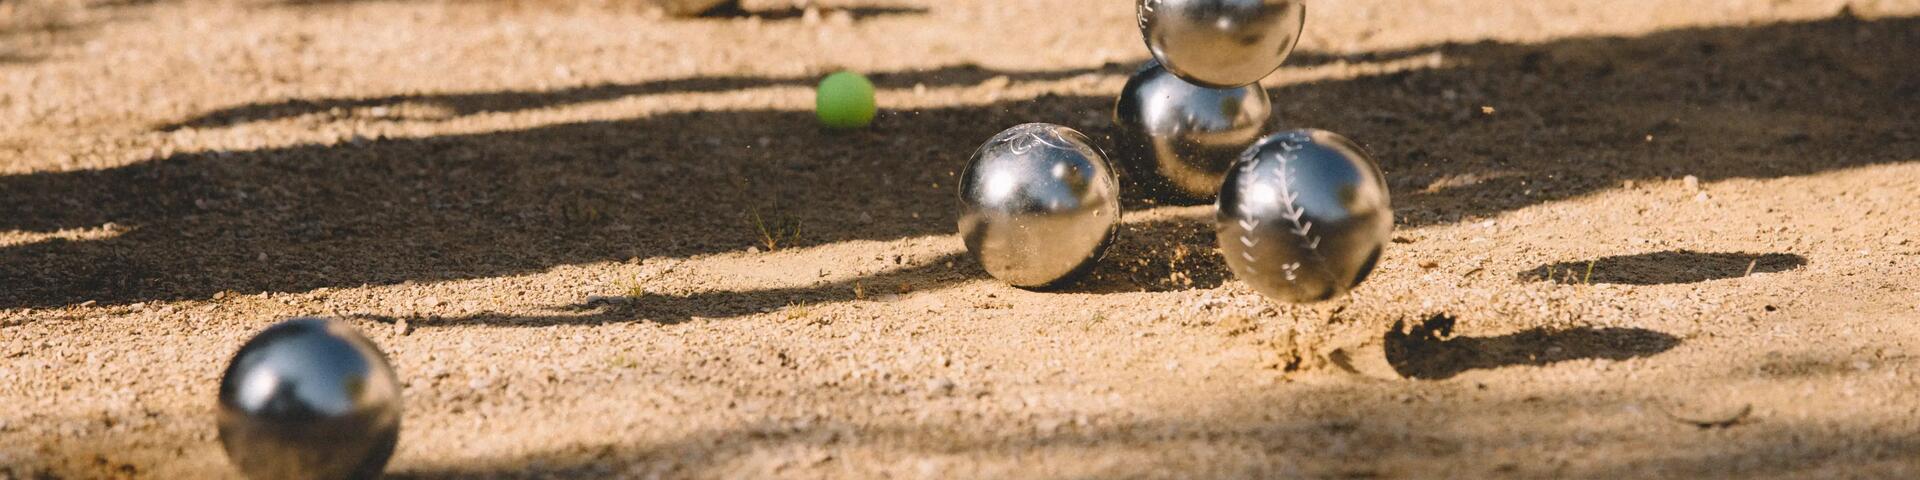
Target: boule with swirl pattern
{"points": [[1038, 205]]}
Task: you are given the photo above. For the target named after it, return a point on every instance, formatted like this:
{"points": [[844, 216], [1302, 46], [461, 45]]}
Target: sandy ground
{"points": [[1636, 239]]}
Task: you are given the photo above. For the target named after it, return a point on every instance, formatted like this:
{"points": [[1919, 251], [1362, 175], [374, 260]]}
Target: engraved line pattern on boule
{"points": [[1286, 174], [1249, 164], [1145, 10], [1034, 135]]}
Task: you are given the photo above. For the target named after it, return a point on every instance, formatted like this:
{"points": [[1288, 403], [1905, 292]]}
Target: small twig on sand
{"points": [[1717, 422], [1750, 264]]}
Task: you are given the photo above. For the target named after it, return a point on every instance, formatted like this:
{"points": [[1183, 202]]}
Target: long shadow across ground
{"points": [[1662, 268], [1338, 432], [460, 104], [1568, 118]]}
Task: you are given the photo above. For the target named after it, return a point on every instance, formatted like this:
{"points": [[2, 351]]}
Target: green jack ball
{"points": [[845, 100]]}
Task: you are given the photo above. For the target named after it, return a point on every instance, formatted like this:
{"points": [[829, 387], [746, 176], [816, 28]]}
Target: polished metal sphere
{"points": [[1038, 205], [1221, 43], [1303, 216], [309, 399], [1177, 139]]}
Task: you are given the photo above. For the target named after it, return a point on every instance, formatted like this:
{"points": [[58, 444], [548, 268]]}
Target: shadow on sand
{"points": [[1428, 350], [1572, 119], [1663, 268]]}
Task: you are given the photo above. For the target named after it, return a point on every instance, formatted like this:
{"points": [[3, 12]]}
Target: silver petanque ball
{"points": [[1303, 216], [309, 399], [1177, 139], [1221, 43], [1038, 205]]}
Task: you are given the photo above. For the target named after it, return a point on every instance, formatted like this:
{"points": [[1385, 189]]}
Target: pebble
{"points": [[402, 328], [996, 83], [940, 386], [1049, 426], [840, 18], [1692, 183]]}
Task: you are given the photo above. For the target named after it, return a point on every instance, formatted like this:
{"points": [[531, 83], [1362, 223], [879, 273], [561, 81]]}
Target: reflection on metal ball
{"points": [[1221, 43], [1303, 216], [1177, 139], [309, 399], [1038, 205]]}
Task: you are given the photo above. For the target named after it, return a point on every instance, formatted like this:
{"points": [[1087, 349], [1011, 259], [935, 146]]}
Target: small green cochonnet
{"points": [[845, 100]]}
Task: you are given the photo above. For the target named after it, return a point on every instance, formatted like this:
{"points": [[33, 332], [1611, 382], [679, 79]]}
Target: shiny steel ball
{"points": [[1221, 43], [1303, 216], [1177, 139], [1038, 205], [309, 399]]}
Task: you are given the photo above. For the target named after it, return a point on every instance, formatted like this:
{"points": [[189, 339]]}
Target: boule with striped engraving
{"points": [[1303, 216]]}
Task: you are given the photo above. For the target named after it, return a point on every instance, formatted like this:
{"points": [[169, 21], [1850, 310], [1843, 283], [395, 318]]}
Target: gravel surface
{"points": [[1636, 239]]}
